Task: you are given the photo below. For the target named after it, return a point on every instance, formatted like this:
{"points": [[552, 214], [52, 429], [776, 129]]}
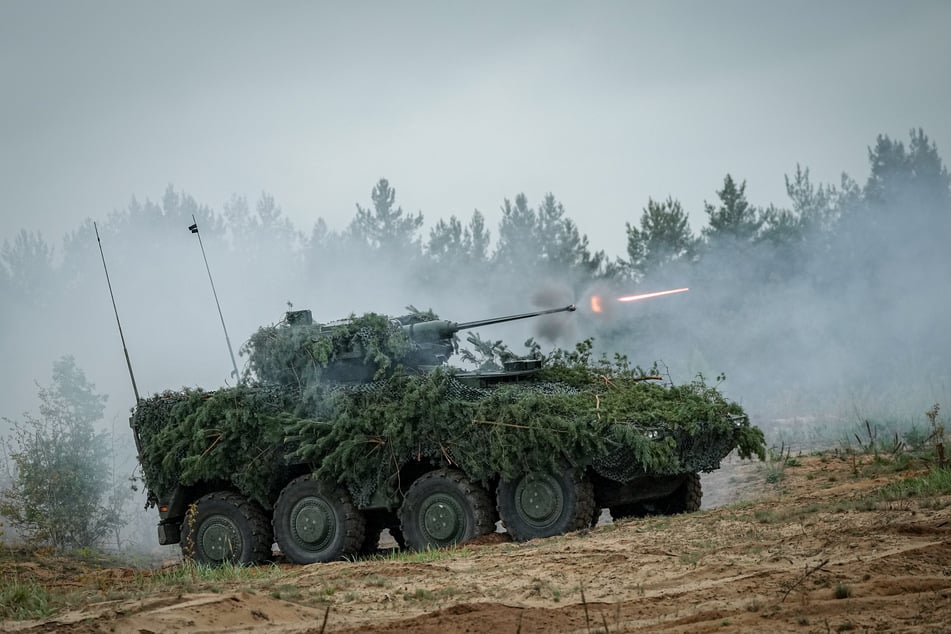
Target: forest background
{"points": [[824, 310]]}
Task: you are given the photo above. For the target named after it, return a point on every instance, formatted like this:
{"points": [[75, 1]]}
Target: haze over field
{"points": [[657, 146]]}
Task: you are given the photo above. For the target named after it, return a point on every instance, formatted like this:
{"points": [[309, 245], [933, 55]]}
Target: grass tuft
{"points": [[20, 600], [936, 482]]}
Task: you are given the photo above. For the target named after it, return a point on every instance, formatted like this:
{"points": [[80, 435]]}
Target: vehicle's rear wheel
{"points": [[686, 499], [443, 508], [316, 522], [542, 504], [223, 527]]}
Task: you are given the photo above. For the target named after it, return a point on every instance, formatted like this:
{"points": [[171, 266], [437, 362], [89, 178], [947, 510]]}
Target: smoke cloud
{"points": [[839, 320]]}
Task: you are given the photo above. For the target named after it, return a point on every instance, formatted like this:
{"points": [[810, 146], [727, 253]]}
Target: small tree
{"points": [[664, 238], [734, 221], [386, 228], [452, 244], [61, 494]]}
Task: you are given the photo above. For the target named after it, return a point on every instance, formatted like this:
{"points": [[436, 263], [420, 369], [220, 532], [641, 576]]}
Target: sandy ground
{"points": [[816, 552]]}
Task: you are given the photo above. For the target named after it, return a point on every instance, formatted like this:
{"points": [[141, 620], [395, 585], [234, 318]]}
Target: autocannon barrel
{"points": [[498, 320], [441, 330]]}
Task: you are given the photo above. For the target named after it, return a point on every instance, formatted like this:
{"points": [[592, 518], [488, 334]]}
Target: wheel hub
{"points": [[539, 499], [219, 538], [312, 523], [443, 520]]}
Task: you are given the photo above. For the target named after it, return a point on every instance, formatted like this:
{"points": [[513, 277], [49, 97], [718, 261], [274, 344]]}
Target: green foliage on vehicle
{"points": [[600, 414]]}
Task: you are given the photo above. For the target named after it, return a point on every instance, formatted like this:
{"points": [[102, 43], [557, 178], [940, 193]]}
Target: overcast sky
{"points": [[459, 105]]}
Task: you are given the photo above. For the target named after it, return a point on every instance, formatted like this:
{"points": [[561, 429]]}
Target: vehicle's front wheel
{"points": [[443, 508], [685, 499], [542, 504], [223, 527], [316, 522]]}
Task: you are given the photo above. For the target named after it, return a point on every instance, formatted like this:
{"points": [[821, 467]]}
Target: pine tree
{"points": [[517, 233], [734, 221], [816, 208], [545, 240], [664, 238], [451, 243], [912, 184], [27, 264], [386, 227], [258, 237]]}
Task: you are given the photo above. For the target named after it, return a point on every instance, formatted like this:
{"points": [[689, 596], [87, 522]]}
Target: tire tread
{"points": [[261, 535], [581, 516], [483, 510], [353, 519]]}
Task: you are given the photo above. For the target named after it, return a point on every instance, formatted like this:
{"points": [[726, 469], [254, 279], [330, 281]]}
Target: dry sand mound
{"points": [[820, 551]]}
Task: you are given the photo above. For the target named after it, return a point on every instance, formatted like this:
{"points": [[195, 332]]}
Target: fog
{"points": [[820, 318], [810, 318], [839, 319]]}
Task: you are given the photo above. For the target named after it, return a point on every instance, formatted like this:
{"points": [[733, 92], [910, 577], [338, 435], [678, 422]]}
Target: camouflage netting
{"points": [[602, 415], [283, 355]]}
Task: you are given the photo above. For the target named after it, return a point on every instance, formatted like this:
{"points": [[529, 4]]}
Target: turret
{"points": [[357, 349]]}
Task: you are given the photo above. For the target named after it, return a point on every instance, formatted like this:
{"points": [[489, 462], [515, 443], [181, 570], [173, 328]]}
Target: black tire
{"points": [[686, 499], [543, 504], [316, 522], [443, 508], [223, 527]]}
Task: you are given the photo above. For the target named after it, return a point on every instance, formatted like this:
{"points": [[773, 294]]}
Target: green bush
{"points": [[62, 494]]}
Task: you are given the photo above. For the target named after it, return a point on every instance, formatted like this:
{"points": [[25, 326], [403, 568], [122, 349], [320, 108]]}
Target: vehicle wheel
{"points": [[314, 522], [224, 527], [686, 499], [542, 504], [443, 508]]}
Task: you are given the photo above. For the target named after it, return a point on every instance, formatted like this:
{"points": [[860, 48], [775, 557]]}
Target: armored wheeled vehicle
{"points": [[339, 431]]}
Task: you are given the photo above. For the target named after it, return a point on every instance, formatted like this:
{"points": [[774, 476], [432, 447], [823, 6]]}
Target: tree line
{"points": [[906, 196], [844, 282]]}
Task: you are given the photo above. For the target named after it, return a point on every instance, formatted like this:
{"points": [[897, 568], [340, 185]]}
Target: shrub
{"points": [[61, 494]]}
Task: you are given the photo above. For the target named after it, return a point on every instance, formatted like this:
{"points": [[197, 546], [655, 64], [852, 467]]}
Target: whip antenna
{"points": [[194, 229], [116, 311]]}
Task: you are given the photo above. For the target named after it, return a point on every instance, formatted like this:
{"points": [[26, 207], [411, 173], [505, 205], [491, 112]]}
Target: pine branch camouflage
{"points": [[363, 435]]}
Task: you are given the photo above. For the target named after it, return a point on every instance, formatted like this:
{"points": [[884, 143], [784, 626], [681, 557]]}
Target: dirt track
{"points": [[817, 552]]}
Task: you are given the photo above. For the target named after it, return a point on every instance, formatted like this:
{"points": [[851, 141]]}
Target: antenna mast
{"points": [[116, 311], [194, 229]]}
